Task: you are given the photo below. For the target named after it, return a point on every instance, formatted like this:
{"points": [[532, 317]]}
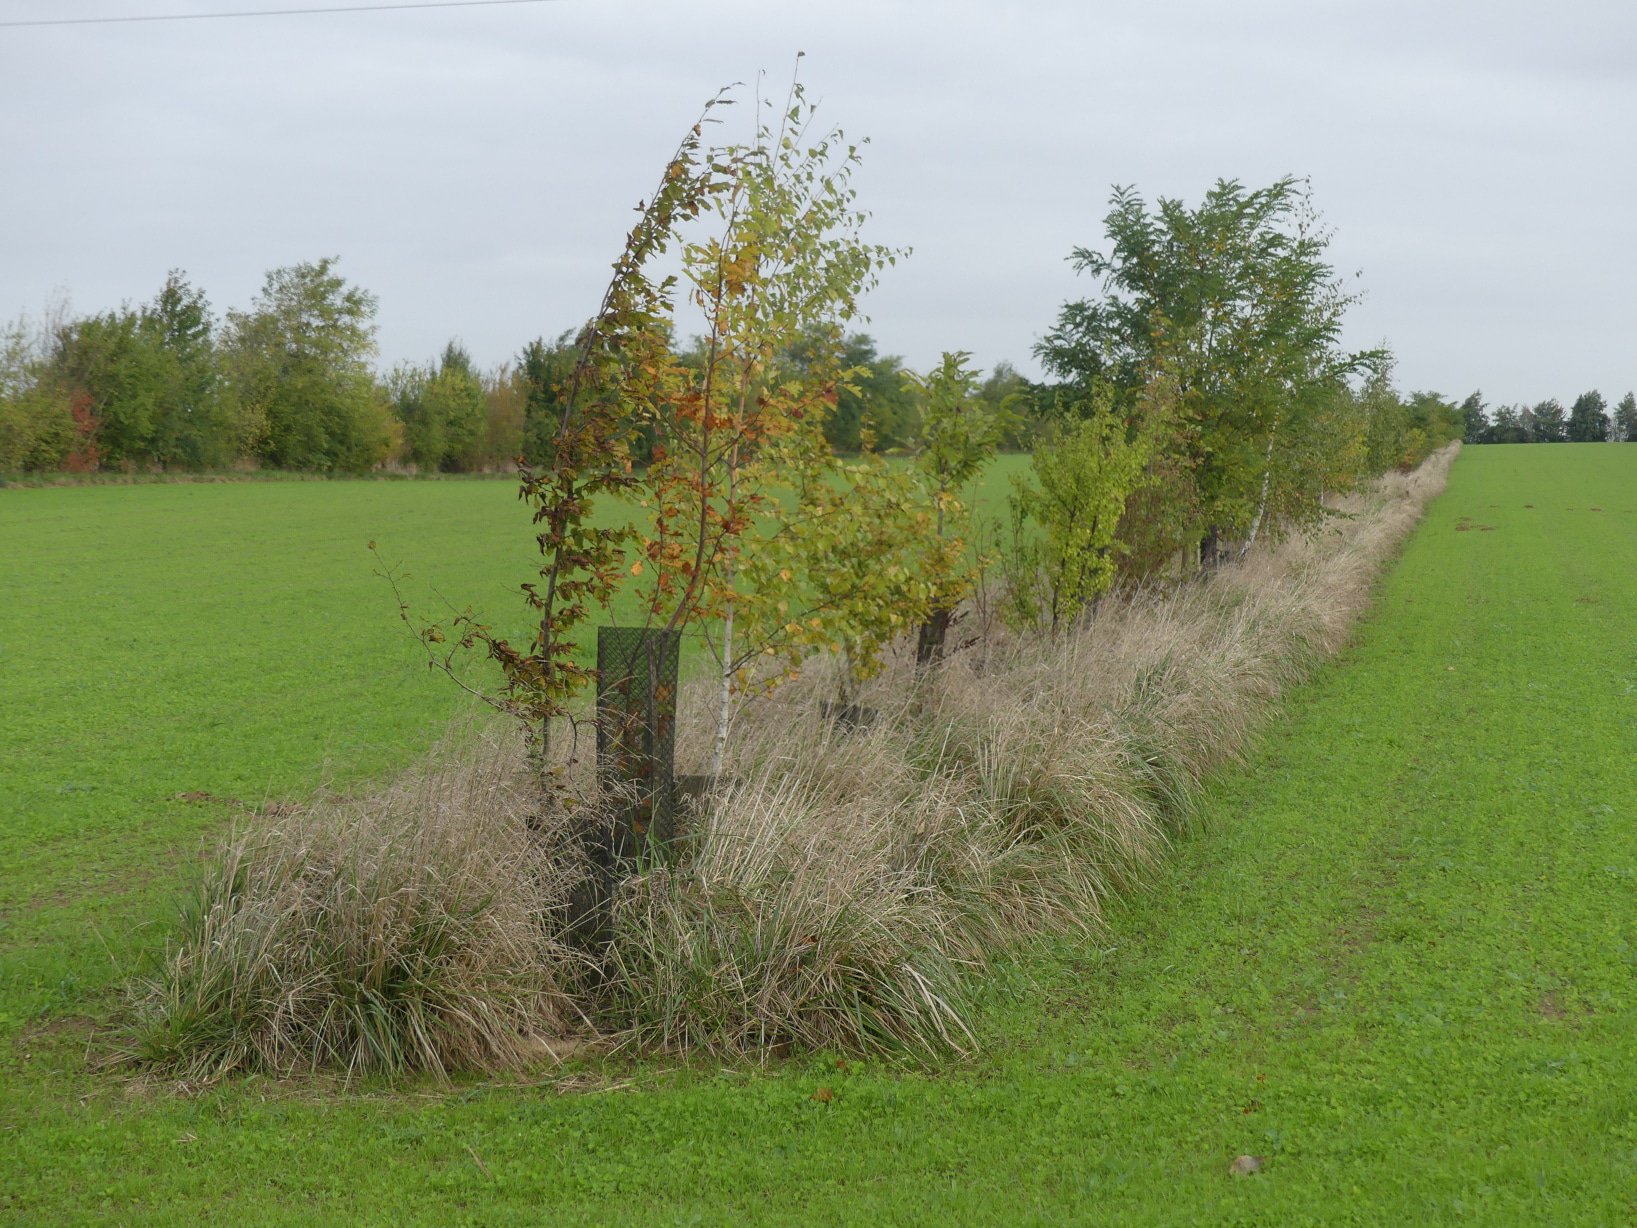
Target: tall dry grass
{"points": [[840, 890], [416, 930]]}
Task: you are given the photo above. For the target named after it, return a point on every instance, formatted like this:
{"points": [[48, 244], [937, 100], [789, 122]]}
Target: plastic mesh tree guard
{"points": [[636, 735]]}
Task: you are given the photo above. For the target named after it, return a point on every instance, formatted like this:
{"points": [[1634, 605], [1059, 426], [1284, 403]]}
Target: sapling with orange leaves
{"points": [[620, 372], [741, 483]]}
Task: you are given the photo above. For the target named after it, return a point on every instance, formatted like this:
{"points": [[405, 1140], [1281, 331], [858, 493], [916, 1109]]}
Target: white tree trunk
{"points": [[1262, 503], [724, 710]]}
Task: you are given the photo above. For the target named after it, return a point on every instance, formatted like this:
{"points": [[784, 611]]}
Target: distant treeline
{"points": [[291, 384], [1588, 420]]}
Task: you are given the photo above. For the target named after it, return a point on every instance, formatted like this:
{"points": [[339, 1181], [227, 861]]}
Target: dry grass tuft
{"points": [[793, 920], [412, 931], [840, 890]]}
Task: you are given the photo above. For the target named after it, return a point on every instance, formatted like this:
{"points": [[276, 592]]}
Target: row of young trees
{"points": [[1203, 400], [1588, 420], [291, 384]]}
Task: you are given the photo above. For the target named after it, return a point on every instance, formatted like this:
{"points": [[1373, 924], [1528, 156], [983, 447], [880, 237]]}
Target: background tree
{"points": [[1023, 416], [1510, 425], [544, 370], [873, 403], [1474, 419], [142, 385], [1546, 422], [404, 386], [193, 423], [444, 411], [126, 388], [36, 428], [111, 371], [505, 396], [1625, 419], [1589, 418], [298, 363], [873, 407]]}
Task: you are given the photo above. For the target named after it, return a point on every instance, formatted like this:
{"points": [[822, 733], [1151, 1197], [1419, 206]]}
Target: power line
{"points": [[348, 8]]}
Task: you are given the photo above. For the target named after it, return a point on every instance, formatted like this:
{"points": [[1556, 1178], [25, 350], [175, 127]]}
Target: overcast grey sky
{"points": [[476, 167]]}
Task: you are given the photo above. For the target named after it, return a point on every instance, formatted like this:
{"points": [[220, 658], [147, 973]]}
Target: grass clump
{"points": [[839, 891], [792, 920], [411, 931]]}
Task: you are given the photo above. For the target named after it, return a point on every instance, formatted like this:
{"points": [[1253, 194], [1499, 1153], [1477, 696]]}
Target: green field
{"points": [[222, 639], [1397, 961]]}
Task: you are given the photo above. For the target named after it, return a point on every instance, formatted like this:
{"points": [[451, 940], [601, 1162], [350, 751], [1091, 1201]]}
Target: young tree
{"points": [[1236, 300], [738, 480], [857, 564], [1434, 422], [1066, 518], [1589, 418], [584, 428], [959, 436], [1386, 439]]}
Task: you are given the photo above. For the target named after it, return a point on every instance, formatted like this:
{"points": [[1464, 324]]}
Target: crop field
{"points": [[1395, 961]]}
